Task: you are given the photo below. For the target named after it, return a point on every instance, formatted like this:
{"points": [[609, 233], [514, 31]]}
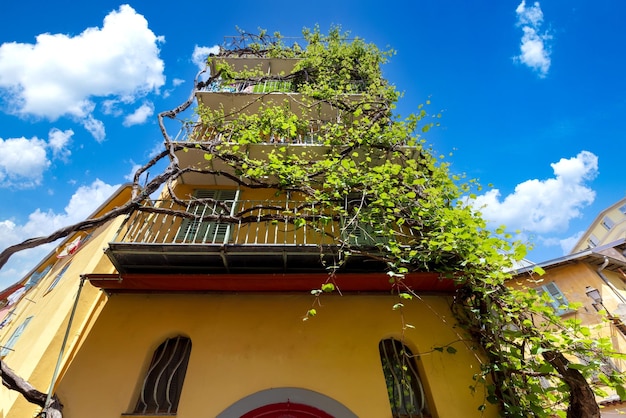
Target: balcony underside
{"points": [[290, 282], [233, 259]]}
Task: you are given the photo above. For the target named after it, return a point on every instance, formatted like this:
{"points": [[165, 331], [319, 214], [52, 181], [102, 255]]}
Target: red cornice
{"points": [[349, 282]]}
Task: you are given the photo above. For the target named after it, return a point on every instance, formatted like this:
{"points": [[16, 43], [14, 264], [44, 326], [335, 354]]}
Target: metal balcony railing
{"points": [[196, 133], [275, 86], [257, 222], [267, 86]]}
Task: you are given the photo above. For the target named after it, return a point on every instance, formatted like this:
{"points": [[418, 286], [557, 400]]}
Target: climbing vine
{"points": [[376, 174]]}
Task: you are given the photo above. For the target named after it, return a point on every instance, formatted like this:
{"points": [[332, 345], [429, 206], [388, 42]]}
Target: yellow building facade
{"points": [[609, 226], [594, 280], [178, 310]]}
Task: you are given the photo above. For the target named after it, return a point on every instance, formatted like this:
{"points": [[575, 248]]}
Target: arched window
{"points": [[404, 387], [161, 388]]}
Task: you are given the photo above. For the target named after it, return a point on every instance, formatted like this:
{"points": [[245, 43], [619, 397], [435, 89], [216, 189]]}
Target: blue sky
{"points": [[532, 96]]}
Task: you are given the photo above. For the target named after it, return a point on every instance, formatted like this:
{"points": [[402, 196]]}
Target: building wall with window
{"points": [[248, 349], [242, 345], [570, 279], [34, 330], [187, 309], [609, 226]]}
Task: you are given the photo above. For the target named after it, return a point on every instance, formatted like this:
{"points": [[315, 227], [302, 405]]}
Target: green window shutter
{"points": [[58, 277], [559, 301], [7, 348], [359, 234], [210, 232], [36, 276]]}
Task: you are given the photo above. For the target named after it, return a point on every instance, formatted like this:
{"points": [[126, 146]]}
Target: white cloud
{"points": [[60, 74], [83, 203], [544, 206], [177, 82], [111, 107], [140, 115], [95, 128], [58, 141], [534, 48], [200, 54], [22, 162], [567, 244]]}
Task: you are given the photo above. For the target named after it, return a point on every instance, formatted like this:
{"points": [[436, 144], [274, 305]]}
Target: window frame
{"points": [[608, 223]]}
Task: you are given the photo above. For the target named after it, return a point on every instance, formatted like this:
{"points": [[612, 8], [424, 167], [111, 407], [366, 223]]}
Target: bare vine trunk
{"points": [[582, 401], [14, 382]]}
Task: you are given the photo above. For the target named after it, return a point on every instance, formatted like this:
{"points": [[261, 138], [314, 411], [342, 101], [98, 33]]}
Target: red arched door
{"points": [[286, 410]]}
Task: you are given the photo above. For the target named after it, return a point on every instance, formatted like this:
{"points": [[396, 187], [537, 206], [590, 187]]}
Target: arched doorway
{"points": [[287, 402], [287, 410]]}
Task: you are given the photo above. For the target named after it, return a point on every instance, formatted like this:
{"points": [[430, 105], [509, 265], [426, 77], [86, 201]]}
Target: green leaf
{"points": [[451, 350], [328, 287], [538, 270]]}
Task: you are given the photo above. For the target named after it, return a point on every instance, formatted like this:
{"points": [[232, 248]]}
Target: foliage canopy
{"points": [[415, 210]]}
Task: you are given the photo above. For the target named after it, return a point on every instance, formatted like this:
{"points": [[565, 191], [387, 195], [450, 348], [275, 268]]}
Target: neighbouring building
{"points": [[177, 310], [595, 279], [609, 226]]}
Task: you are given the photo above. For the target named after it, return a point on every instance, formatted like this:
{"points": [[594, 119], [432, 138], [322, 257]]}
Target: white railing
{"points": [[240, 222], [267, 86], [213, 222]]}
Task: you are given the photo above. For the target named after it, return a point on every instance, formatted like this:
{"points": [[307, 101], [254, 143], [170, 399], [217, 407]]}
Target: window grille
{"points": [[8, 347], [163, 383], [404, 387]]}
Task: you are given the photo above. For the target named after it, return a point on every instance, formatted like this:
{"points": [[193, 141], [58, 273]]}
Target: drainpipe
{"points": [[67, 333], [55, 375], [607, 282]]}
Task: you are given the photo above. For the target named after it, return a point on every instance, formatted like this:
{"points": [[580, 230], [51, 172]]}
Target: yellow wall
{"points": [[572, 280], [603, 234], [36, 352], [242, 344]]}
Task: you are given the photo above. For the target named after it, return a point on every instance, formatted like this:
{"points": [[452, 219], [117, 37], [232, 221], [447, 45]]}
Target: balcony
{"points": [[249, 96], [238, 236], [275, 66]]}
